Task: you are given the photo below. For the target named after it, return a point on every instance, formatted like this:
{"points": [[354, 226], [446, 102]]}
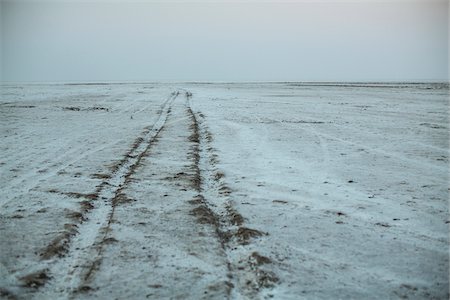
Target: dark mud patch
{"points": [[36, 279], [197, 200], [20, 106], [214, 160], [141, 155], [262, 278], [177, 176], [5, 294], [75, 216], [100, 176], [86, 206], [218, 176], [280, 201], [234, 216], [97, 108], [92, 196], [78, 108], [94, 267], [302, 122], [194, 137], [224, 190], [208, 136], [205, 215], [72, 108], [110, 240], [194, 155], [258, 259], [383, 224], [433, 126], [120, 198], [114, 167], [196, 182], [83, 289], [59, 245], [337, 213], [137, 142], [266, 279], [244, 235]]}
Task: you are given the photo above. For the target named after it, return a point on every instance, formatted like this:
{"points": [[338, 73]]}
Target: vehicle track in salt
{"points": [[159, 244], [247, 270], [74, 254], [166, 215]]}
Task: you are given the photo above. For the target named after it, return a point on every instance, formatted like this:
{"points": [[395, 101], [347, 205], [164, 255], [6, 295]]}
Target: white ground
{"points": [[237, 191]]}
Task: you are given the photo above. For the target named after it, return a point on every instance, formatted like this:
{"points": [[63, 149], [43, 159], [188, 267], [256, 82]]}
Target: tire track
{"points": [[203, 210], [161, 243], [71, 272], [247, 275]]}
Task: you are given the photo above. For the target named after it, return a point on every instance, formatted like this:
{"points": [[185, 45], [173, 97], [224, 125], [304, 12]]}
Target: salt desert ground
{"points": [[224, 191]]}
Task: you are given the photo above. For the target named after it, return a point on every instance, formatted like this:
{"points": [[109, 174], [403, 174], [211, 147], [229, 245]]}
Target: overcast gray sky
{"points": [[397, 40]]}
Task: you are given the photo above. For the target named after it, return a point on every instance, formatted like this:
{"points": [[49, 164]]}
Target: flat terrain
{"points": [[224, 191]]}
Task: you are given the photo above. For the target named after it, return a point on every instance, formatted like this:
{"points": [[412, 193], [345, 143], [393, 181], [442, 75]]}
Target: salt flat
{"points": [[239, 191]]}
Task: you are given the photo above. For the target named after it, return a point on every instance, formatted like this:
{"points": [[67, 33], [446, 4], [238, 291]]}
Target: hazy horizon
{"points": [[242, 41]]}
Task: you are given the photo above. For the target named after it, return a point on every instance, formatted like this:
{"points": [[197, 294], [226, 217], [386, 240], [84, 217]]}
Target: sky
{"points": [[324, 40]]}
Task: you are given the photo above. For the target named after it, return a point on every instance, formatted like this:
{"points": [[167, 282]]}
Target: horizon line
{"points": [[112, 82]]}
